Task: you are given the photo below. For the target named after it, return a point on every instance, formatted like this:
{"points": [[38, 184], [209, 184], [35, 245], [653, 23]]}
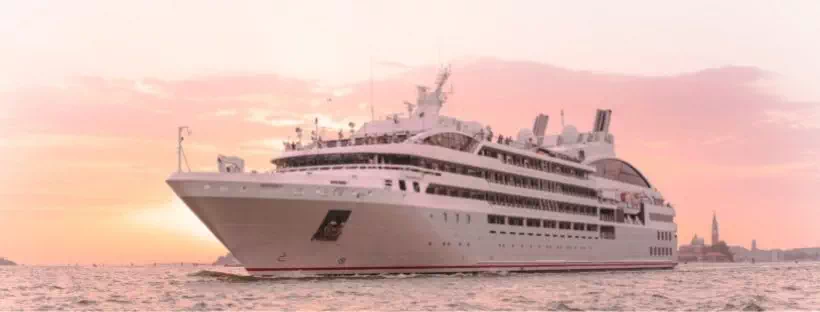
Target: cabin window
{"points": [[416, 187], [549, 224], [402, 185], [516, 221], [534, 222], [495, 219], [608, 232]]}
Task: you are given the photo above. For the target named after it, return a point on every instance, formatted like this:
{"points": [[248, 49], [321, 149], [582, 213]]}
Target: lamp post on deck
{"points": [[180, 152]]}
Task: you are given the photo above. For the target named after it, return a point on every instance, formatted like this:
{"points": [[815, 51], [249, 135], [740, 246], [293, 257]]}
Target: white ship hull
{"points": [[430, 193], [268, 224]]}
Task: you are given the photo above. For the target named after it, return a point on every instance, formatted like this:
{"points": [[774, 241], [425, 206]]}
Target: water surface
{"points": [[782, 286]]}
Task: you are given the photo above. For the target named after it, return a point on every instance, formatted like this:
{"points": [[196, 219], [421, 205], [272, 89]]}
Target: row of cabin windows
{"points": [[660, 217], [660, 251], [464, 143], [667, 236], [533, 222], [407, 160], [512, 200], [532, 163], [546, 235], [539, 184]]}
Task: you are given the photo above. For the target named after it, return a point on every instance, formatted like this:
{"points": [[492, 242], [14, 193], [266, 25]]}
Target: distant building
{"points": [[698, 251], [695, 251], [715, 229], [756, 255], [4, 261]]}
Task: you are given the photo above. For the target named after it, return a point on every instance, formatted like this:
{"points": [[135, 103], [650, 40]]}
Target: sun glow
{"points": [[173, 217]]}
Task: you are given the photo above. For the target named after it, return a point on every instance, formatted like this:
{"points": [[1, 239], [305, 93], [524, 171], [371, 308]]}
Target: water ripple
{"points": [[691, 287]]}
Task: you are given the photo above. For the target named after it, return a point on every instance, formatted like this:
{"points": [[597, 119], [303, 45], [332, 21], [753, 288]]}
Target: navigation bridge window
{"points": [[619, 170], [455, 141]]}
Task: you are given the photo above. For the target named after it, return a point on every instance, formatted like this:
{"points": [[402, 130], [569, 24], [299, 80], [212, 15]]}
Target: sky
{"points": [[716, 103]]}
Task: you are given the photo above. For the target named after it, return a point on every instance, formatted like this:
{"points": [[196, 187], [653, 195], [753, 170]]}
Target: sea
{"points": [[689, 287]]}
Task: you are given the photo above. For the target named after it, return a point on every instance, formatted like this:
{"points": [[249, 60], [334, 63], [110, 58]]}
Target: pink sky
{"points": [[714, 105]]}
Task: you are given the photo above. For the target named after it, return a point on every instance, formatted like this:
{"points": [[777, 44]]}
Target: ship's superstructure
{"points": [[430, 193]]}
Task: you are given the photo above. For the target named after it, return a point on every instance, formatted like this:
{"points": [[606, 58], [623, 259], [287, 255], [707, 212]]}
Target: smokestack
{"points": [[602, 118], [539, 127]]}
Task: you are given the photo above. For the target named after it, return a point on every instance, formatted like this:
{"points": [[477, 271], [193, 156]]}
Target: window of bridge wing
{"points": [[618, 170], [451, 140]]}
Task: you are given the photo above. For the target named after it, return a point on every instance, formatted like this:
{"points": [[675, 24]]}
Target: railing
{"points": [[356, 166], [608, 218], [347, 142]]}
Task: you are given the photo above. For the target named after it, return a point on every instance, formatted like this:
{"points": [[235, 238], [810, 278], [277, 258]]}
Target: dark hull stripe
{"points": [[477, 266]]}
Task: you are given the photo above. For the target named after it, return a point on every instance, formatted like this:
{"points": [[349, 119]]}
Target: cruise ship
{"points": [[420, 192]]}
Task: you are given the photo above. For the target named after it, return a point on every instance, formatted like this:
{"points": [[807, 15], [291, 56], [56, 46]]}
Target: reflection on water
{"points": [[785, 286]]}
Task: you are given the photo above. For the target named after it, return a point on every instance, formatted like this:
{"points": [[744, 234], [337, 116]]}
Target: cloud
{"points": [[705, 139], [797, 119], [219, 113], [393, 64], [719, 139], [274, 118], [147, 88]]}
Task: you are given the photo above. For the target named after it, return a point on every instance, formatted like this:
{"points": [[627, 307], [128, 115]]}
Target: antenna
{"points": [[562, 118], [410, 107]]}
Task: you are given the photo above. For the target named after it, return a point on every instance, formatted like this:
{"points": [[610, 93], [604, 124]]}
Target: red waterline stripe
{"points": [[479, 266]]}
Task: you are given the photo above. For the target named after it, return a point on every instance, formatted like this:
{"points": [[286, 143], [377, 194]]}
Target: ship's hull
{"points": [[339, 230]]}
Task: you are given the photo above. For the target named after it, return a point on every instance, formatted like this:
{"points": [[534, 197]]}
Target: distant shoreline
{"points": [[4, 261]]}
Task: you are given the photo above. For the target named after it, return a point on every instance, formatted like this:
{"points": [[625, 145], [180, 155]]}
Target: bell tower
{"points": [[715, 230]]}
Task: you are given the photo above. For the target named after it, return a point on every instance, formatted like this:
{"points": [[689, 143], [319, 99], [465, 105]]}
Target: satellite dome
{"points": [[569, 135], [524, 135]]}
